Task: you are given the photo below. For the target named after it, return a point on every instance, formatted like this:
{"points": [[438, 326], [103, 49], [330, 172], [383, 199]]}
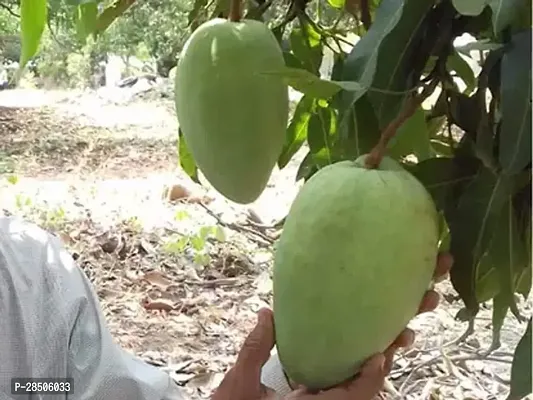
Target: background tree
{"points": [[471, 148]]}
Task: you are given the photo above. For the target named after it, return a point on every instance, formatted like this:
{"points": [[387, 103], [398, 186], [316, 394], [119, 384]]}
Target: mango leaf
{"points": [[521, 368], [321, 134], [465, 112], [503, 11], [485, 130], [472, 225], [507, 253], [33, 16], [441, 148], [296, 133], [306, 45], [500, 306], [487, 284], [194, 15], [86, 19], [187, 162], [515, 137], [383, 58], [339, 4], [469, 7], [292, 62], [311, 85], [439, 175], [110, 13], [457, 64], [362, 130], [307, 168], [221, 8], [412, 138]]}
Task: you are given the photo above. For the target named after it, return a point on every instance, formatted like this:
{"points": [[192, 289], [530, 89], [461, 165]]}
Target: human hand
{"points": [[243, 380]]}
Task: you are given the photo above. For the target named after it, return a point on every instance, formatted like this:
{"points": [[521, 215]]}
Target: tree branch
{"points": [[9, 10]]}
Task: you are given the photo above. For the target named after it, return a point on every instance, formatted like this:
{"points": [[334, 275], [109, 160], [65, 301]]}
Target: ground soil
{"points": [[95, 167]]}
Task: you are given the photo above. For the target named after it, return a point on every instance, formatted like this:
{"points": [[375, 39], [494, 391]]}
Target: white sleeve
{"points": [[272, 376], [53, 327]]}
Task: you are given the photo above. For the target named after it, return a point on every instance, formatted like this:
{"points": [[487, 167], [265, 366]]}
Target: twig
{"points": [[9, 10], [438, 358], [264, 239], [376, 154]]}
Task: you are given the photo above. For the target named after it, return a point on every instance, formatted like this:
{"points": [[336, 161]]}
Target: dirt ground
{"points": [[180, 280]]}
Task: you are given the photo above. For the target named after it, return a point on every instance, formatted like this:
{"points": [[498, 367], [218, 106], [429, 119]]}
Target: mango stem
{"points": [[235, 11], [373, 160]]}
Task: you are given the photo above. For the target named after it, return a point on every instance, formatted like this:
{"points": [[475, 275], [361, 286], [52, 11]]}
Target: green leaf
{"points": [[311, 85], [306, 45], [383, 57], [509, 251], [86, 19], [339, 4], [465, 111], [521, 368], [194, 15], [321, 136], [361, 132], [487, 284], [33, 16], [439, 176], [187, 162], [500, 306], [457, 64], [503, 11], [12, 179], [197, 242], [307, 168], [470, 7], [515, 137], [110, 13], [412, 138], [291, 61], [296, 133], [472, 224]]}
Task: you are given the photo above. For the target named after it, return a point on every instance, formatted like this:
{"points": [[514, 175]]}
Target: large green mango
{"points": [[356, 255], [233, 115]]}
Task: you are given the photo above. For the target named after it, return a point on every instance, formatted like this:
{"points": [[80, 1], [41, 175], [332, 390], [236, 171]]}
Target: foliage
{"points": [[471, 148]]}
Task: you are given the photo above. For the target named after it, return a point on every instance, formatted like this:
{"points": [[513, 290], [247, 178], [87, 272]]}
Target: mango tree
{"points": [[470, 147]]}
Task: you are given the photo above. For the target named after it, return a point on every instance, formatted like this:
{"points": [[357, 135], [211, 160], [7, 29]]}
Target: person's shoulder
{"points": [[25, 246], [17, 232]]}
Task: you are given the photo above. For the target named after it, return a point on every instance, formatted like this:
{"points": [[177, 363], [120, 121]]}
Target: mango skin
{"points": [[356, 255], [233, 117]]}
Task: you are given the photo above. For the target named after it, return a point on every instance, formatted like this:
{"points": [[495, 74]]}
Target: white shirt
{"points": [[52, 327]]}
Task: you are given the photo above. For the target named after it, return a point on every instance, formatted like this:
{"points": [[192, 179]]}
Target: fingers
{"points": [[444, 264], [366, 385], [405, 339], [429, 302], [255, 350], [370, 380]]}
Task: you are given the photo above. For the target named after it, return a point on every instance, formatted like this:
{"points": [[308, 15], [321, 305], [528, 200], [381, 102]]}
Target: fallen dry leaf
{"points": [[157, 278], [159, 304]]}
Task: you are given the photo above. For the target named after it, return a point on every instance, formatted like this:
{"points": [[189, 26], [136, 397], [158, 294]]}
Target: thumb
{"points": [[371, 378], [255, 350]]}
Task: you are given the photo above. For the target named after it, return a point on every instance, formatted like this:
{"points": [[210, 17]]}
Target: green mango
{"points": [[233, 114], [357, 253]]}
